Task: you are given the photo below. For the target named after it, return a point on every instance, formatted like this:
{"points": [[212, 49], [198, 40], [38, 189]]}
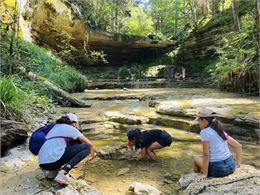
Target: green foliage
{"points": [[238, 52], [14, 101], [98, 56], [139, 23], [117, 16], [44, 64], [9, 96]]}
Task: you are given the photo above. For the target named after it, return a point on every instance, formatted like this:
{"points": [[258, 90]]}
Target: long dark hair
{"points": [[138, 138], [215, 124], [64, 120]]}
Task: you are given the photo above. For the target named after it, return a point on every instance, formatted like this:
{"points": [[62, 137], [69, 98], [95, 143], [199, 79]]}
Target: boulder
{"points": [[143, 189], [245, 180], [12, 134]]}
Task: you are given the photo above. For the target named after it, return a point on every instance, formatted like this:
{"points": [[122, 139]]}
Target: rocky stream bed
{"points": [[106, 122]]}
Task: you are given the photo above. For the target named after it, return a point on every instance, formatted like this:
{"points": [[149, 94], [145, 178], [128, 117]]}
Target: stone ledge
{"points": [[245, 180]]}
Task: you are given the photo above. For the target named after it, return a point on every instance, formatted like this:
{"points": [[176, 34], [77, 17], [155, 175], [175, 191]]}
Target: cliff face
{"points": [[56, 25]]}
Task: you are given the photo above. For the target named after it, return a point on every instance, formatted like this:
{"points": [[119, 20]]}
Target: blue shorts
{"points": [[165, 139], [221, 168]]}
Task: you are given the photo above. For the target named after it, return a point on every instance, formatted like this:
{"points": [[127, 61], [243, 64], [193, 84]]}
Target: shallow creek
{"points": [[106, 175], [174, 160]]}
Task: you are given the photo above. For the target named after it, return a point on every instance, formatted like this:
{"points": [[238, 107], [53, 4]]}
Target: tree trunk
{"points": [[206, 8], [193, 12], [235, 16], [176, 17], [116, 17], [215, 7], [58, 91], [223, 5], [258, 29]]}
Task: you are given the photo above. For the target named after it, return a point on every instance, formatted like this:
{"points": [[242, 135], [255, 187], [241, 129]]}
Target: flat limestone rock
{"points": [[245, 180], [124, 119]]}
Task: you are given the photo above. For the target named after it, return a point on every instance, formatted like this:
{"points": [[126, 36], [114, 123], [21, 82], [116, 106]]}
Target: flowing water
{"points": [[174, 160]]}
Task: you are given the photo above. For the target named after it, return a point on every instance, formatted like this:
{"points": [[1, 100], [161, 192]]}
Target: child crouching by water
{"points": [[217, 160], [148, 141]]}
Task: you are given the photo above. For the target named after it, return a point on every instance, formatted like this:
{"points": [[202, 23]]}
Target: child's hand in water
{"points": [[201, 178]]}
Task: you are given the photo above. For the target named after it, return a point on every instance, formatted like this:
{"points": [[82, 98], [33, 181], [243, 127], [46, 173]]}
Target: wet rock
{"points": [[89, 118], [124, 119], [67, 191], [244, 181], [177, 123], [143, 189], [167, 181], [84, 188], [45, 193], [17, 158], [171, 176], [152, 103], [186, 180], [100, 128], [118, 152], [12, 134], [123, 171]]}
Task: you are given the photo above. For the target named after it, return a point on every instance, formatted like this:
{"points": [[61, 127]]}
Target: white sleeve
{"points": [[204, 136]]}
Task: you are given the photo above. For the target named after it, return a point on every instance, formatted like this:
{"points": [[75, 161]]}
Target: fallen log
{"points": [[58, 91]]}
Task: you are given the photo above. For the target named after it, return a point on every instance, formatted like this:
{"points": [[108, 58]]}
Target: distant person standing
{"points": [[217, 160], [65, 147], [148, 142]]}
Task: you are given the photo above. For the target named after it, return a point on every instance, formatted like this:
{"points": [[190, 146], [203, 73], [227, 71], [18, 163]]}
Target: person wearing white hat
{"points": [[217, 160], [65, 147]]}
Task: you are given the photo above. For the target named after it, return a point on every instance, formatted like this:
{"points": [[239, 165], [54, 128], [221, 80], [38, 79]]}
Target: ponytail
{"points": [[217, 126]]}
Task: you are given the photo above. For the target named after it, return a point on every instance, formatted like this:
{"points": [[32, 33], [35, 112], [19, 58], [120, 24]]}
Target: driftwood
{"points": [[58, 91]]}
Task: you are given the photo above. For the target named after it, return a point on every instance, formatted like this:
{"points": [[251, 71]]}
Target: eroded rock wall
{"points": [[58, 25]]}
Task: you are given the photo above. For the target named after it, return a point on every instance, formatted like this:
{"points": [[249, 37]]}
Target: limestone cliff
{"points": [[59, 26]]}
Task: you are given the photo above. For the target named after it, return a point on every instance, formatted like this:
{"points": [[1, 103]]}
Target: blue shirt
{"points": [[218, 148]]}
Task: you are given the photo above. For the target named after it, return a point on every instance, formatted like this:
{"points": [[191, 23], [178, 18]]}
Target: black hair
{"points": [[64, 120], [215, 124], [138, 138]]}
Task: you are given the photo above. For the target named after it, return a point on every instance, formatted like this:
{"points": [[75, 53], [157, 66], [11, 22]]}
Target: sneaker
{"points": [[61, 178]]}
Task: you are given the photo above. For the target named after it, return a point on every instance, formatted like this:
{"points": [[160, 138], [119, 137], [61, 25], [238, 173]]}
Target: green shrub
{"points": [[238, 51], [41, 62], [15, 101]]}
